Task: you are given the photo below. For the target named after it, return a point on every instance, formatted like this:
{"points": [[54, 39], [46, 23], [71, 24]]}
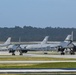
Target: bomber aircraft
{"points": [[22, 48]]}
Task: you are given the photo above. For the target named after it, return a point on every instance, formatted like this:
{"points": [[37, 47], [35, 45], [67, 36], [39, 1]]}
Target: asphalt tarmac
{"points": [[39, 54]]}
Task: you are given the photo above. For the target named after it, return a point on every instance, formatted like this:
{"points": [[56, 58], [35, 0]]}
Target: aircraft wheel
{"points": [[62, 53], [13, 53], [21, 53], [72, 52], [45, 53]]}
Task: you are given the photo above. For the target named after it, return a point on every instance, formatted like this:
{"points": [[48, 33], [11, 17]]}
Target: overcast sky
{"points": [[38, 13]]}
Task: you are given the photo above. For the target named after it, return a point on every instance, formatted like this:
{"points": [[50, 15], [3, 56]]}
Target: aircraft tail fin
{"points": [[45, 40], [69, 37], [8, 41], [72, 36]]}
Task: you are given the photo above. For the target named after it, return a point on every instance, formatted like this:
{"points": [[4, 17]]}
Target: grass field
{"points": [[42, 65], [23, 58]]}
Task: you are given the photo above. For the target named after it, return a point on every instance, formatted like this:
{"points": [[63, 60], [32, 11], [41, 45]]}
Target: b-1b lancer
{"points": [[23, 48]]}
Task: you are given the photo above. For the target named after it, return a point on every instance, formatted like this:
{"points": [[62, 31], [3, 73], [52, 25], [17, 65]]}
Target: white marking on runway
{"points": [[36, 70], [33, 62]]}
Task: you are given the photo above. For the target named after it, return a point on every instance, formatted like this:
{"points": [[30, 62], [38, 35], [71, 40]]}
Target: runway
{"points": [[39, 54], [37, 70], [46, 55]]}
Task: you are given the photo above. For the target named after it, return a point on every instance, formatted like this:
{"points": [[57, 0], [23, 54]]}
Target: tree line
{"points": [[29, 33]]}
